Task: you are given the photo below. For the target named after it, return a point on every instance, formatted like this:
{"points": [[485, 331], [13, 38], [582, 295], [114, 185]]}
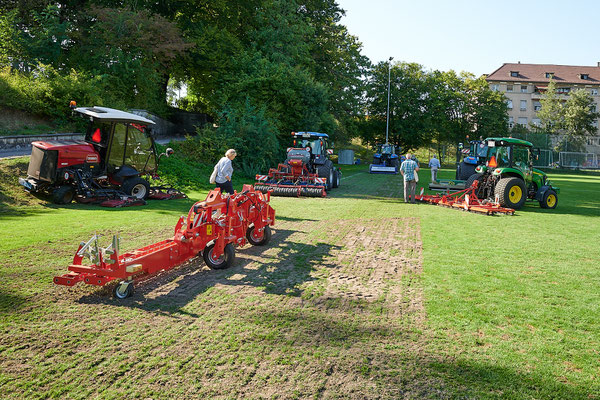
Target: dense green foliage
{"points": [[573, 119], [247, 131], [291, 60], [430, 106]]}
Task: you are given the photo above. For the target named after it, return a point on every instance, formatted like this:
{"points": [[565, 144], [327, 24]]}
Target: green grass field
{"points": [[358, 296]]}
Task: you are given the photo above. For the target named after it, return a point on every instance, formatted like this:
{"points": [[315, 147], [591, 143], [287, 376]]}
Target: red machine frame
{"points": [[465, 200], [212, 227]]}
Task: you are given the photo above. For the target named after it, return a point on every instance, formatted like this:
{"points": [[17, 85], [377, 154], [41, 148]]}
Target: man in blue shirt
{"points": [[408, 170], [434, 164]]}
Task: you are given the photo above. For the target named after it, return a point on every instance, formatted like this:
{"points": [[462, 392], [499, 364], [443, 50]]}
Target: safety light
{"points": [[73, 104], [294, 142]]}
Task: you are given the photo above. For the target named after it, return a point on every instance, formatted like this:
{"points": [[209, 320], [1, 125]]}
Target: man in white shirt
{"points": [[225, 171]]}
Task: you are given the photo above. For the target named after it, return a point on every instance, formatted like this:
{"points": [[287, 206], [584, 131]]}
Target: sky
{"points": [[476, 36]]}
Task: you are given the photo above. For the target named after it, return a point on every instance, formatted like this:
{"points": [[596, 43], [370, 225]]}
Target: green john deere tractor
{"points": [[508, 176]]}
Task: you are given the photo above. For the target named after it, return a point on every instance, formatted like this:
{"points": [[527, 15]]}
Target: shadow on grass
{"points": [[9, 303], [281, 274]]}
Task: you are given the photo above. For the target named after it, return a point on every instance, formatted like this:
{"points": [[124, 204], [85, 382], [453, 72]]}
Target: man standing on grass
{"points": [[408, 170], [434, 164]]}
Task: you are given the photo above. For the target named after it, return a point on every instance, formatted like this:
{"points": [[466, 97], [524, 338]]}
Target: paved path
{"points": [[27, 151]]}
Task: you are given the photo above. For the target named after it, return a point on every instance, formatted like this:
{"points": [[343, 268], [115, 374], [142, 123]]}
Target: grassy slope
{"points": [[512, 306]]}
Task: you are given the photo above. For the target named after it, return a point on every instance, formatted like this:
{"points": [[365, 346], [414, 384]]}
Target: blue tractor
{"points": [[472, 157], [385, 161]]}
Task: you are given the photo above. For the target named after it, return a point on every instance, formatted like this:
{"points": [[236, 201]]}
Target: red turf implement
{"points": [[465, 200], [213, 227]]}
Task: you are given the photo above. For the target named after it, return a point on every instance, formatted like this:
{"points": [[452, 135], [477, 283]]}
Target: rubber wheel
{"points": [[336, 179], [550, 199], [222, 262], [123, 290], [261, 239], [473, 178], [326, 171], [136, 187], [395, 163], [465, 170], [511, 192], [63, 194]]}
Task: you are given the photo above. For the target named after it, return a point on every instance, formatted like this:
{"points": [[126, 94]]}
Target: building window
{"points": [[536, 122], [595, 123], [509, 88], [523, 89], [593, 108], [537, 106], [549, 74], [509, 104], [563, 90], [514, 74], [511, 122], [585, 76], [523, 121], [495, 88], [594, 92], [523, 105]]}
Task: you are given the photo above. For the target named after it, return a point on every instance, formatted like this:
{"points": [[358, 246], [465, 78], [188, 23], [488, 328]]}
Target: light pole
{"points": [[387, 114]]}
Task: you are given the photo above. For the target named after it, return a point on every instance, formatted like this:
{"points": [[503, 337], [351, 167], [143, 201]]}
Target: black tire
{"points": [[259, 241], [550, 199], [473, 178], [336, 179], [63, 194], [224, 261], [136, 187], [123, 290], [326, 171], [396, 163], [511, 192], [465, 170]]}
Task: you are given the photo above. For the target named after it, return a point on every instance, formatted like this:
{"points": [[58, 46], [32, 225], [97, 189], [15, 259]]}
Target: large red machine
{"points": [[307, 171], [466, 200], [212, 228]]}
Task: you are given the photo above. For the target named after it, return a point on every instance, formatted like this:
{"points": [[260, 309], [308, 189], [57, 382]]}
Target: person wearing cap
{"points": [[224, 172], [408, 169]]}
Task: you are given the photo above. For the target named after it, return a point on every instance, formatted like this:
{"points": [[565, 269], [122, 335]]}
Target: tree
{"points": [[573, 119]]}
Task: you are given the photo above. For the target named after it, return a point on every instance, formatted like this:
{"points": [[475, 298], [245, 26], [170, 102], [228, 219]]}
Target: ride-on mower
{"points": [[106, 167], [385, 161], [212, 228], [307, 171]]}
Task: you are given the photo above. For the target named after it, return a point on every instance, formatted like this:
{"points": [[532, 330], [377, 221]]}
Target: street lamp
{"points": [[387, 115]]}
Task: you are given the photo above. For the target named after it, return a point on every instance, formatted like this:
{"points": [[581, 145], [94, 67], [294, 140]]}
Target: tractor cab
{"points": [[123, 142], [311, 147]]}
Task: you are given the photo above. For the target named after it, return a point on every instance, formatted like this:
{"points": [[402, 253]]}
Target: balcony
{"points": [[539, 96]]}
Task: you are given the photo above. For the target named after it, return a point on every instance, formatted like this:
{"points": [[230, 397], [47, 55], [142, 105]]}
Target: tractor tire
{"points": [[465, 171], [550, 199], [511, 192], [473, 178], [136, 187], [326, 171], [222, 262], [336, 179], [63, 194], [396, 163], [259, 240]]}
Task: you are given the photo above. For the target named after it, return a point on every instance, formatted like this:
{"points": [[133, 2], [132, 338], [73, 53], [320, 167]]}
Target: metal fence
{"points": [[545, 160], [575, 160]]}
